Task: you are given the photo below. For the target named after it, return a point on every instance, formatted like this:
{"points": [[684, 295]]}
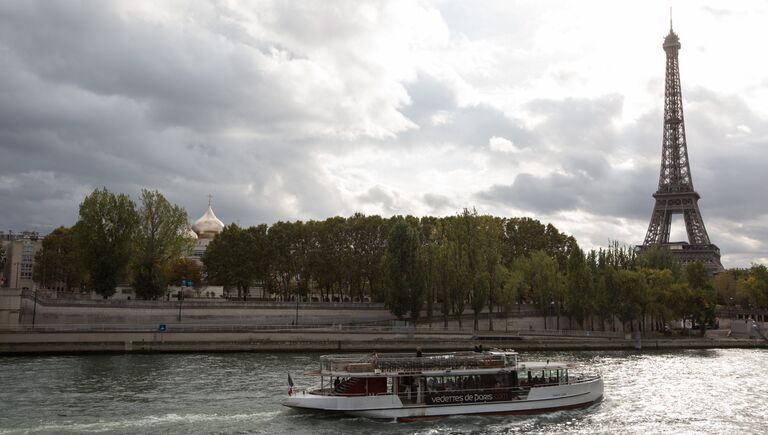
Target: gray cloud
{"points": [[247, 103]]}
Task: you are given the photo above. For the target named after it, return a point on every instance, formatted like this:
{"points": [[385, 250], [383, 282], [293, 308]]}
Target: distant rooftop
{"points": [[10, 235]]}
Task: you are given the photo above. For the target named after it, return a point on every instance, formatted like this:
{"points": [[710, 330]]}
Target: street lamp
{"points": [[296, 322], [551, 308], [34, 307], [180, 296]]}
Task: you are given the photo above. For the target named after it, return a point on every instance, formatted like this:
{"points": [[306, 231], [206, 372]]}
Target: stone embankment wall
{"points": [[97, 313], [326, 340], [101, 313]]}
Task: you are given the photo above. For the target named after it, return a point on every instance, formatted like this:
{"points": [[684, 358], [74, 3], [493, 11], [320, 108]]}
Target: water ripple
{"points": [[683, 392]]}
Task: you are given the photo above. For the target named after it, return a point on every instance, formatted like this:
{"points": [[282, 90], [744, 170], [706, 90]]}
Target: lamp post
{"points": [[34, 307], [296, 322], [551, 308], [181, 297], [18, 269]]}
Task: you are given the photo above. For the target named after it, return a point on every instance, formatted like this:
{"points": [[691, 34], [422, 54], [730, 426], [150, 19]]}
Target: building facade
{"points": [[20, 250]]}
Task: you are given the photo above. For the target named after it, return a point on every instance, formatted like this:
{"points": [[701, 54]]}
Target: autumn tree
{"points": [[58, 262], [185, 269], [726, 285]]}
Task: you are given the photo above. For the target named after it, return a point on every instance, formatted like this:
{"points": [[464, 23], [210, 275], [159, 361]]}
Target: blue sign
{"points": [[162, 327]]}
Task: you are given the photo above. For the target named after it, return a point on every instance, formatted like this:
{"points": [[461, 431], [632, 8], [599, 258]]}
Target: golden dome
{"points": [[190, 234], [208, 225]]}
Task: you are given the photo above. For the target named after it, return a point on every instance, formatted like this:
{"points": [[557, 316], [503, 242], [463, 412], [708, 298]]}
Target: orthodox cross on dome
{"points": [[210, 197]]}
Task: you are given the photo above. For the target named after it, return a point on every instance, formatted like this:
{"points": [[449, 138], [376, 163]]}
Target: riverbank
{"points": [[328, 340]]}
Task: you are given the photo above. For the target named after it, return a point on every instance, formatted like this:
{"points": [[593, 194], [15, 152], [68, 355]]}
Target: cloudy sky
{"points": [[304, 110]]}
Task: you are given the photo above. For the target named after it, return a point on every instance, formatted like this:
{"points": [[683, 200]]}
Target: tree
{"points": [[160, 238], [283, 238], [701, 299], [58, 261], [507, 285], [660, 258], [661, 284], [328, 254], [104, 232], [237, 258], [524, 236], [726, 287], [185, 269], [579, 296], [755, 288], [631, 297], [404, 282], [542, 278]]}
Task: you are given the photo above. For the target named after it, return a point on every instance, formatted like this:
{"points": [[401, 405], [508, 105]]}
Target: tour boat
{"points": [[408, 387]]}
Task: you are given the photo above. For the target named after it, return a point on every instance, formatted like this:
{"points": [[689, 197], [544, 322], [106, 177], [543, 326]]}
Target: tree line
{"points": [[116, 241], [432, 267], [491, 263]]}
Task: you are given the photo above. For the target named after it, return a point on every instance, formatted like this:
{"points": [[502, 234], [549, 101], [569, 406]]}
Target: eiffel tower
{"points": [[676, 194]]}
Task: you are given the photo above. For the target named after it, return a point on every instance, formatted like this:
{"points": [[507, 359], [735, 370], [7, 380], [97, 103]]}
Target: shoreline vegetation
{"points": [[430, 268]]}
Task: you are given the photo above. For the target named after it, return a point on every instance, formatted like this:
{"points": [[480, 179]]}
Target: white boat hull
{"points": [[539, 400]]}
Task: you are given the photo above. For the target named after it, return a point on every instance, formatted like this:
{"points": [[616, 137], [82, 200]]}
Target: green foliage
{"points": [[754, 287], [524, 236], [404, 282], [580, 296], [542, 278], [58, 262], [160, 238], [104, 233], [508, 285], [238, 257], [632, 296], [726, 285], [659, 258]]}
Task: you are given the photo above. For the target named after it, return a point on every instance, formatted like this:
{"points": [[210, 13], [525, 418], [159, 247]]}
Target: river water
{"points": [[697, 391]]}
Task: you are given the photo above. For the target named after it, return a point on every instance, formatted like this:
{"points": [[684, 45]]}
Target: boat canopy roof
{"points": [[391, 364]]}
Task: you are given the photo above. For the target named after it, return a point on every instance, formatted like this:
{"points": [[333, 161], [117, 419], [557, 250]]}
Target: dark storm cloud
{"points": [[577, 136], [727, 143], [98, 98], [250, 103], [544, 195]]}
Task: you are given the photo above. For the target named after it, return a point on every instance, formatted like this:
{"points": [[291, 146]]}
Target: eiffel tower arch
{"points": [[676, 194]]}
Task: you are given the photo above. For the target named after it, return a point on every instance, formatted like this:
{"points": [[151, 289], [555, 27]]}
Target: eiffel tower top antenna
{"points": [[670, 18]]}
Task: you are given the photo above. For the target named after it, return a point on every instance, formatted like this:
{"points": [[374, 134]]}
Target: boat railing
{"points": [[407, 363], [579, 378]]}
